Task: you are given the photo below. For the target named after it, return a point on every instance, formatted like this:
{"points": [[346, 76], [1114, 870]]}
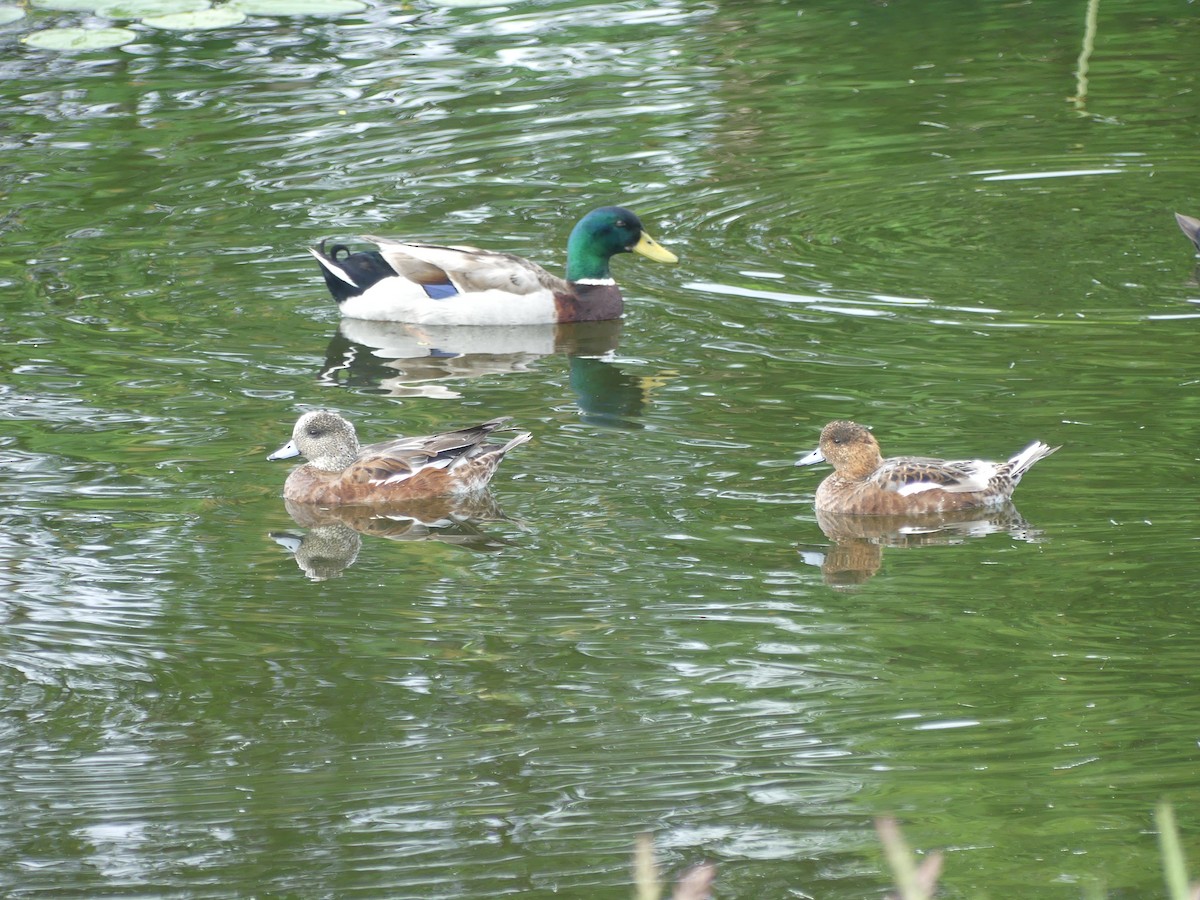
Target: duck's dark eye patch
{"points": [[315, 431], [621, 223]]}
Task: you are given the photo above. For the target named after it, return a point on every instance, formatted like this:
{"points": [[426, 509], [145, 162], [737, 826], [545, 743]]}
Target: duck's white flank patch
{"points": [[972, 475], [397, 300], [981, 472], [919, 487], [404, 476]]}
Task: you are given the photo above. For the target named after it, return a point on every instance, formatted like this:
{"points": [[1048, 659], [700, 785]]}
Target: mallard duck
{"points": [[339, 471], [1190, 227], [436, 285], [864, 483]]}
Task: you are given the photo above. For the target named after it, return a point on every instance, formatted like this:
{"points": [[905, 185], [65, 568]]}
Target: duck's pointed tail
{"points": [[1190, 227], [1023, 461]]}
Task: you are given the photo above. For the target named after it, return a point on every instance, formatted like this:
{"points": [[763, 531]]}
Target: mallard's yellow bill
{"points": [[652, 249]]}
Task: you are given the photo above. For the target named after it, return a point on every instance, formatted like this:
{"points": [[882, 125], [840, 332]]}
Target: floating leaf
{"points": [[10, 14], [299, 7], [80, 38], [138, 9], [219, 17]]}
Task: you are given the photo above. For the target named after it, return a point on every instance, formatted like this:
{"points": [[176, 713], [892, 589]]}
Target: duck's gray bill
{"points": [[287, 451], [814, 457]]}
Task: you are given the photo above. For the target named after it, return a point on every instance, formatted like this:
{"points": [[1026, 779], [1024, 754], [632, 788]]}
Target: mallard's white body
{"points": [[397, 300]]}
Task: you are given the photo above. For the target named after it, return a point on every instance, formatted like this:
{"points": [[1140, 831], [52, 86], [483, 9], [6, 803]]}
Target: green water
{"points": [[886, 212]]}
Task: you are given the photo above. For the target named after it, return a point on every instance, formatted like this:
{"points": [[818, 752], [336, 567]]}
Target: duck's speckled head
{"points": [[603, 233], [847, 446], [324, 438]]}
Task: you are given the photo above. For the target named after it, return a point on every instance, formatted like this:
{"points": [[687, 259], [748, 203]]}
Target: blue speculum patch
{"points": [[440, 291]]}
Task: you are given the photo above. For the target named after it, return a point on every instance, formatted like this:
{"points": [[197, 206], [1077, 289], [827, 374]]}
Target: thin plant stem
{"points": [[1174, 865]]}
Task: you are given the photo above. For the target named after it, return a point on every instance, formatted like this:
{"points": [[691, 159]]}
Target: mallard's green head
{"points": [[601, 234]]}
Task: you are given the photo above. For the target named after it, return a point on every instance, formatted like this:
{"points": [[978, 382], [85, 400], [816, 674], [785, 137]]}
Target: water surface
{"points": [[886, 213]]}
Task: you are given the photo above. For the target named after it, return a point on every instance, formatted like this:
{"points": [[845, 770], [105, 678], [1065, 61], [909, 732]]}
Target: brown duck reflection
{"points": [[420, 360], [334, 536], [858, 541]]}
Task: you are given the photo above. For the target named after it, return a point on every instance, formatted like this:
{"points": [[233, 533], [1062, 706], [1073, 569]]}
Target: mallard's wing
{"points": [[469, 269]]}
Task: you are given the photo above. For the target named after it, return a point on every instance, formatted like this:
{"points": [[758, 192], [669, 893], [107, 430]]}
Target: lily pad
{"points": [[80, 38], [10, 14], [138, 9], [299, 7], [218, 17]]}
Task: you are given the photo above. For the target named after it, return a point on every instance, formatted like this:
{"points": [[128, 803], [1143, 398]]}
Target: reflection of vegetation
{"points": [[173, 15], [914, 880], [919, 882], [694, 884], [1174, 865], [1085, 54]]}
